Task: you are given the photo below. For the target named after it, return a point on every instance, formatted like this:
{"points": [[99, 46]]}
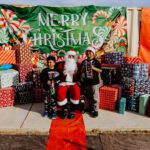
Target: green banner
{"points": [[64, 28]]}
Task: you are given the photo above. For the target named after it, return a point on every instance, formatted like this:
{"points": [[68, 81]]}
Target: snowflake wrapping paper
{"points": [[9, 78], [6, 97]]}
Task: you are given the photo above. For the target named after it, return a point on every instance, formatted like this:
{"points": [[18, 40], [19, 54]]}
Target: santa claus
{"points": [[68, 86]]}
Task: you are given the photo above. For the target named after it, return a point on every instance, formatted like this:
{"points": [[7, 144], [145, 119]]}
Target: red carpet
{"points": [[67, 134]]}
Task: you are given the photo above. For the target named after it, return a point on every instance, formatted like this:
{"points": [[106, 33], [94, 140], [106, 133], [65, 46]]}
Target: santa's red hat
{"points": [[72, 52]]}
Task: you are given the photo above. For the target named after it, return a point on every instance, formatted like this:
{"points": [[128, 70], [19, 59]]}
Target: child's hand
{"points": [[49, 82]]}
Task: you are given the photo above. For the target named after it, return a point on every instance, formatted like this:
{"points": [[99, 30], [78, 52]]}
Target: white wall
{"points": [[133, 29]]}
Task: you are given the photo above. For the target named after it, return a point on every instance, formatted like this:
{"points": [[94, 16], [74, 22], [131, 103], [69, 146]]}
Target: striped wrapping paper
{"points": [[23, 53], [114, 58], [133, 60], [6, 97], [9, 78], [7, 57], [25, 72]]}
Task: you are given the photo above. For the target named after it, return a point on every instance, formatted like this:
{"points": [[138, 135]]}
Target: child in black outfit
{"points": [[50, 79]]}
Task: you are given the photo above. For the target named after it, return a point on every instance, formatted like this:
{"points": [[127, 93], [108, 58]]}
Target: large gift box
{"points": [[7, 57], [24, 97], [8, 78], [25, 72], [23, 87], [108, 97], [6, 97], [135, 70], [113, 58], [23, 53]]}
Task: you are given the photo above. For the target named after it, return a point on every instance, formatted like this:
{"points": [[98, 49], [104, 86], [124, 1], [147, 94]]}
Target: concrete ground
{"points": [[23, 125], [28, 117]]}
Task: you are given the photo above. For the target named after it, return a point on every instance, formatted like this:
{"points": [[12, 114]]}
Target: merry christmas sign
{"points": [[63, 28]]}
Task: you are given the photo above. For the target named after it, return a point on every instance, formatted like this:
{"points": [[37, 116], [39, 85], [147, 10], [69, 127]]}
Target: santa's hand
{"points": [[49, 82]]}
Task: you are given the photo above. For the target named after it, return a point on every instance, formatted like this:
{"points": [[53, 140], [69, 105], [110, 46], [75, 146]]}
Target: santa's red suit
{"points": [[68, 84]]}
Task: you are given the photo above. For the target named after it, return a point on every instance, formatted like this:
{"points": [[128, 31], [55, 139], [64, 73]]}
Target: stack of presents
{"points": [[19, 84], [126, 84]]}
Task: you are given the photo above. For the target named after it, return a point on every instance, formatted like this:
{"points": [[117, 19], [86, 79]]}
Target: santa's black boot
{"points": [[71, 111], [65, 112]]}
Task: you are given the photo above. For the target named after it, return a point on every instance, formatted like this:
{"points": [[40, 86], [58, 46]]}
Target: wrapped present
{"points": [[128, 86], [6, 97], [132, 103], [120, 90], [114, 58], [23, 53], [36, 78], [144, 70], [23, 87], [24, 97], [126, 70], [135, 70], [110, 75], [142, 86], [133, 60], [25, 72], [8, 78], [38, 95], [7, 57], [108, 97], [143, 101], [122, 105]]}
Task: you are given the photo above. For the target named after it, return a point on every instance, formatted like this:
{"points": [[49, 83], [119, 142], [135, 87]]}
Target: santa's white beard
{"points": [[69, 69]]}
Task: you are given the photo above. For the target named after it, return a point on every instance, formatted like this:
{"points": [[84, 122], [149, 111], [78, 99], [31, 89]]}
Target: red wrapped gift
{"points": [[132, 60], [38, 95], [6, 97], [108, 97], [23, 53], [7, 57], [25, 72]]}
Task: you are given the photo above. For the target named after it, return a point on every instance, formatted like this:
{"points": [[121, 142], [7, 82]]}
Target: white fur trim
{"points": [[74, 101], [62, 102], [90, 49], [72, 52]]}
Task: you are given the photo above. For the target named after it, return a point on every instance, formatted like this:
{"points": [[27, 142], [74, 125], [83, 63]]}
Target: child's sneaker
{"points": [[53, 116], [45, 114]]}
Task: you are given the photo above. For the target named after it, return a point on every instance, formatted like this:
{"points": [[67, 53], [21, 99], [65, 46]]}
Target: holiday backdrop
{"points": [[63, 28]]}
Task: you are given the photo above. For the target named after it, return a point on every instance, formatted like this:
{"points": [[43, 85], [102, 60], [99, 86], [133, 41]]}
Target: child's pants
{"points": [[50, 103]]}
